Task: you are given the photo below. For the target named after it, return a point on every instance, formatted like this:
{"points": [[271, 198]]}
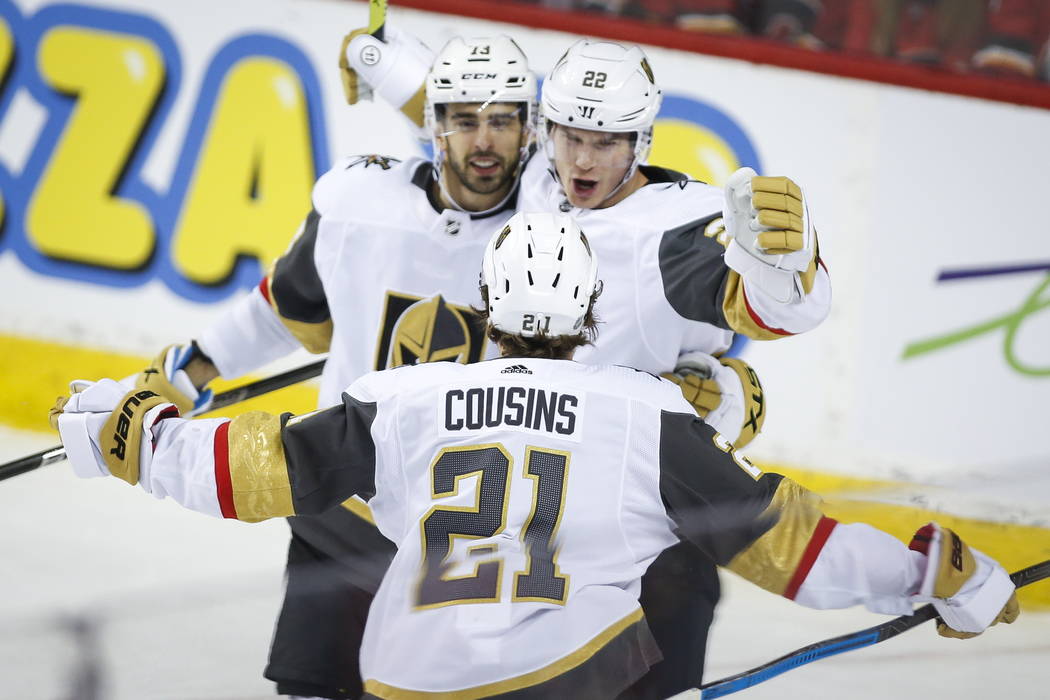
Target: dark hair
{"points": [[557, 347]]}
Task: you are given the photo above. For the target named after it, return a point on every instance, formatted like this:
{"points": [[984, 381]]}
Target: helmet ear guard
{"points": [[541, 276]]}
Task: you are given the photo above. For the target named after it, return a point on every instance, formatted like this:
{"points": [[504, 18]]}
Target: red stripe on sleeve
{"points": [[223, 483], [264, 289], [759, 322], [816, 543]]}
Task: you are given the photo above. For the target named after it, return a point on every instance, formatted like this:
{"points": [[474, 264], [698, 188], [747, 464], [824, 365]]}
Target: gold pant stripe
{"points": [[566, 663]]}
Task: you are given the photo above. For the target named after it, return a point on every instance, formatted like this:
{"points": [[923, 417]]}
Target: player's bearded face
{"points": [[482, 149], [591, 164]]}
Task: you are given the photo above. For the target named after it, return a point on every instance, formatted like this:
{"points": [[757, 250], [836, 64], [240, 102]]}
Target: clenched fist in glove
{"points": [[970, 590], [106, 429], [170, 376], [773, 245], [395, 69], [725, 392]]}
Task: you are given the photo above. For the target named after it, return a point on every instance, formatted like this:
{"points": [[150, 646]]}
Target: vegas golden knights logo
{"points": [[416, 329]]}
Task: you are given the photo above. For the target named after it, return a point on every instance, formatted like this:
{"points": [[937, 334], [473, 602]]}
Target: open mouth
{"points": [[485, 166], [584, 188]]}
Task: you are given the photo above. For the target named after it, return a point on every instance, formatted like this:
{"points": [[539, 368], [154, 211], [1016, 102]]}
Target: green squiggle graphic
{"points": [[1011, 323]]}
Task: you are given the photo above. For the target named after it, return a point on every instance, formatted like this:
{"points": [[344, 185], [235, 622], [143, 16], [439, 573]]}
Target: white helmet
{"points": [[484, 69], [541, 274], [603, 86]]}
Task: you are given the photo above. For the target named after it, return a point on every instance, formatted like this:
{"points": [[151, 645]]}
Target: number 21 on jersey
{"points": [[491, 464]]}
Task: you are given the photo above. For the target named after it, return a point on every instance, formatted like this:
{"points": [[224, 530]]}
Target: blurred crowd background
{"points": [[991, 37]]}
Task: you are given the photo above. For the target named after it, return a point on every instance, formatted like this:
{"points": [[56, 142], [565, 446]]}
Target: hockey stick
{"points": [[376, 18], [847, 642], [226, 398]]}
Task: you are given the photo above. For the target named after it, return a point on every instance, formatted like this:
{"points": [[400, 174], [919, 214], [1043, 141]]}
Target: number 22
{"points": [[594, 79]]}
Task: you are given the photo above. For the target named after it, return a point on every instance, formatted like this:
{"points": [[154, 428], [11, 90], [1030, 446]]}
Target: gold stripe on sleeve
{"points": [[315, 337], [771, 560], [359, 508], [734, 307], [258, 471]]}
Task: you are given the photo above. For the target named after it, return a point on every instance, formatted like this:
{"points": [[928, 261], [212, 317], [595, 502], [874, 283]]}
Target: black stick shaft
{"points": [[226, 398]]}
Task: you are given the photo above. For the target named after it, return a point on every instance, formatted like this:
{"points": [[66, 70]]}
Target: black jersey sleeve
{"points": [[694, 274], [296, 293], [762, 526], [330, 455]]}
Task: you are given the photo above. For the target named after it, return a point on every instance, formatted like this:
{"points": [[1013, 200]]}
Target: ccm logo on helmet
{"points": [[124, 421], [478, 76]]}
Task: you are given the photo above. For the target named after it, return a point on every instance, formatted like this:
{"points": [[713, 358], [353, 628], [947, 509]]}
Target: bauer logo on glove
{"points": [[969, 589]]}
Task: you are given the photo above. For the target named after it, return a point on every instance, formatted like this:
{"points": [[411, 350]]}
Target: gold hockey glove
{"points": [[395, 69], [725, 392], [772, 242], [168, 376], [969, 589], [102, 426]]}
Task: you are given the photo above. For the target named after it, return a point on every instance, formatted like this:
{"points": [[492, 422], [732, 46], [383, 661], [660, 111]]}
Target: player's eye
{"points": [[465, 124], [501, 122]]}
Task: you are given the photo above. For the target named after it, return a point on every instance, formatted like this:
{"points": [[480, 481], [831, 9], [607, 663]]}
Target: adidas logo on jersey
{"points": [[517, 369]]}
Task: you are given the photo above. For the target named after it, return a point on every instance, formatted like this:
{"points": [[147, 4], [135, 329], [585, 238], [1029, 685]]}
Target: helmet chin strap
{"points": [[439, 171]]}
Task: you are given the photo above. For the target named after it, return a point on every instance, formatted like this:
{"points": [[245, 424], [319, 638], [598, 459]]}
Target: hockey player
{"points": [[382, 273], [679, 294], [328, 291], [527, 495]]}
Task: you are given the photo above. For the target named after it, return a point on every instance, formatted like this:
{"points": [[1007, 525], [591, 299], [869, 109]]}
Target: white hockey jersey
{"points": [[379, 275], [667, 288], [527, 497]]}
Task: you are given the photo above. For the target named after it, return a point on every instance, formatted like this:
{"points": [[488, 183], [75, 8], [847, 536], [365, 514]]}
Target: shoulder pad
{"points": [[356, 175], [372, 160]]}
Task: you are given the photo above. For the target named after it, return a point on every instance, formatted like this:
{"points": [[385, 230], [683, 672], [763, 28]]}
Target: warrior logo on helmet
{"points": [[416, 329]]}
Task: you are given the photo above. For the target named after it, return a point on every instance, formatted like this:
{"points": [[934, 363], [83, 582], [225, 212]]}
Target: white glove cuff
{"points": [[181, 381], [395, 68], [728, 416], [981, 598], [783, 286], [148, 444], [79, 433], [699, 362]]}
